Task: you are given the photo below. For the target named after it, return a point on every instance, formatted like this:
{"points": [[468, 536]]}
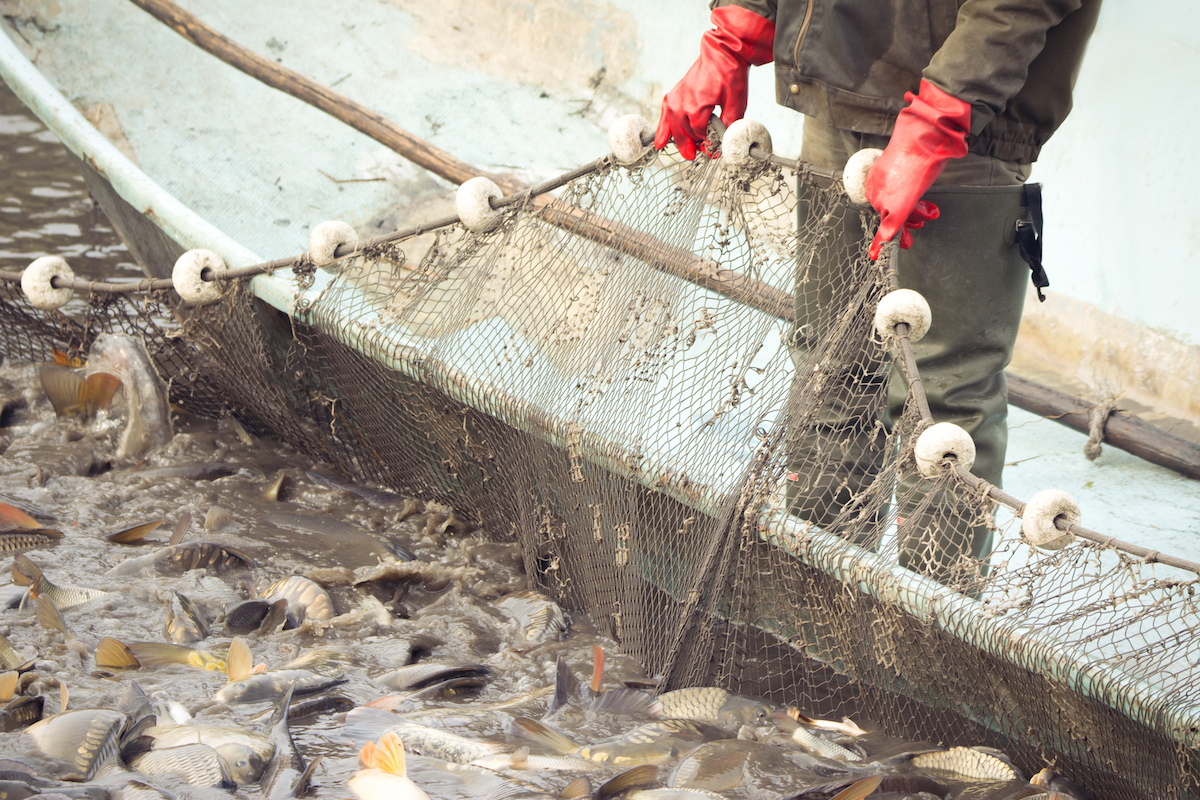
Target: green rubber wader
{"points": [[968, 267]]}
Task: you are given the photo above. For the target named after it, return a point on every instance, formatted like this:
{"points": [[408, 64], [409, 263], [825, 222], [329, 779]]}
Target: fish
{"points": [[1053, 782], [258, 616], [135, 534], [63, 597], [197, 764], [574, 702], [20, 712], [354, 546], [652, 743], [10, 659], [248, 686], [810, 741], [201, 471], [538, 618], [73, 395], [846, 727], [185, 624], [87, 739], [246, 754], [967, 763], [19, 541], [716, 705], [287, 775], [383, 776], [305, 598], [179, 558], [148, 420], [414, 677], [374, 497], [365, 724], [114, 654]]}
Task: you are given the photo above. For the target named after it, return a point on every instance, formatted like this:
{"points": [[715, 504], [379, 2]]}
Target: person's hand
{"points": [[930, 132], [718, 78]]}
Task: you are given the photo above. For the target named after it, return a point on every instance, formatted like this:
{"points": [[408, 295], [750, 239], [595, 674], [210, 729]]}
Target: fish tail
{"points": [[544, 735], [389, 755], [114, 654], [859, 789], [638, 776]]}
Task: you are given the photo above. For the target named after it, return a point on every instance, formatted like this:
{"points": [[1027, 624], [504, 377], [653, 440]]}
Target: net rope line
{"points": [[530, 196]]}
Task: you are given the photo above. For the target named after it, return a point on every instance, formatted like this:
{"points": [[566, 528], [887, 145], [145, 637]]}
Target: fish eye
{"points": [[763, 714]]}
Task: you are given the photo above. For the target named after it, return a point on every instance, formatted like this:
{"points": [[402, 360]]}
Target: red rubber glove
{"points": [[718, 78], [930, 132]]}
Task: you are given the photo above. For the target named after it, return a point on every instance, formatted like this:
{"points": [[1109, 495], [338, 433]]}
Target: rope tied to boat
{"points": [[1097, 417]]}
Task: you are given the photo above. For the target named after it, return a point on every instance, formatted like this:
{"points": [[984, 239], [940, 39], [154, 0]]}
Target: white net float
{"points": [[903, 305], [187, 275], [940, 441], [625, 139], [1037, 520], [325, 239], [854, 177], [740, 137], [473, 202], [37, 286]]}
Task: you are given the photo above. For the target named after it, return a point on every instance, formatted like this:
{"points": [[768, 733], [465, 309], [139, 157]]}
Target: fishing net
{"points": [[626, 378]]}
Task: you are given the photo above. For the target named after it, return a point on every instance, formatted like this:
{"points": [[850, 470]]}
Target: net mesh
{"points": [[672, 396]]}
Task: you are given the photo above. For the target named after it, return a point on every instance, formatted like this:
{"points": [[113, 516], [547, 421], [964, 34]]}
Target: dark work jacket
{"points": [[849, 62]]}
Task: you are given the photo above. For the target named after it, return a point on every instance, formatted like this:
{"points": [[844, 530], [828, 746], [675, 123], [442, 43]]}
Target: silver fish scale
{"points": [[822, 746], [197, 764], [698, 702], [968, 763], [439, 743], [9, 658], [68, 597]]}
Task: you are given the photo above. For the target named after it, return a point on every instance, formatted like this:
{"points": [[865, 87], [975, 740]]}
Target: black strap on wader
{"points": [[1029, 238]]}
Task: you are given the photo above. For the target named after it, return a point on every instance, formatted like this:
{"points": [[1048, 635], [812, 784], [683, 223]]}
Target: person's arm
{"points": [[970, 79], [740, 37]]}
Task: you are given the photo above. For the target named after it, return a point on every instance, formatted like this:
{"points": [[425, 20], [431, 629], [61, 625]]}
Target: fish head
{"points": [[245, 763]]}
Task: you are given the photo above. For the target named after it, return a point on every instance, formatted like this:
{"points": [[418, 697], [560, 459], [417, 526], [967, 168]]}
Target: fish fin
{"points": [[259, 669], [135, 534], [135, 746], [8, 685], [534, 731], [300, 787], [597, 668], [638, 776], [859, 789], [849, 727], [366, 754], [65, 360], [97, 392], [114, 654], [64, 697], [11, 515], [389, 755], [577, 789], [24, 571], [565, 686], [280, 715], [63, 387], [626, 701], [274, 619], [181, 528], [364, 724], [49, 617], [239, 664], [519, 758]]}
